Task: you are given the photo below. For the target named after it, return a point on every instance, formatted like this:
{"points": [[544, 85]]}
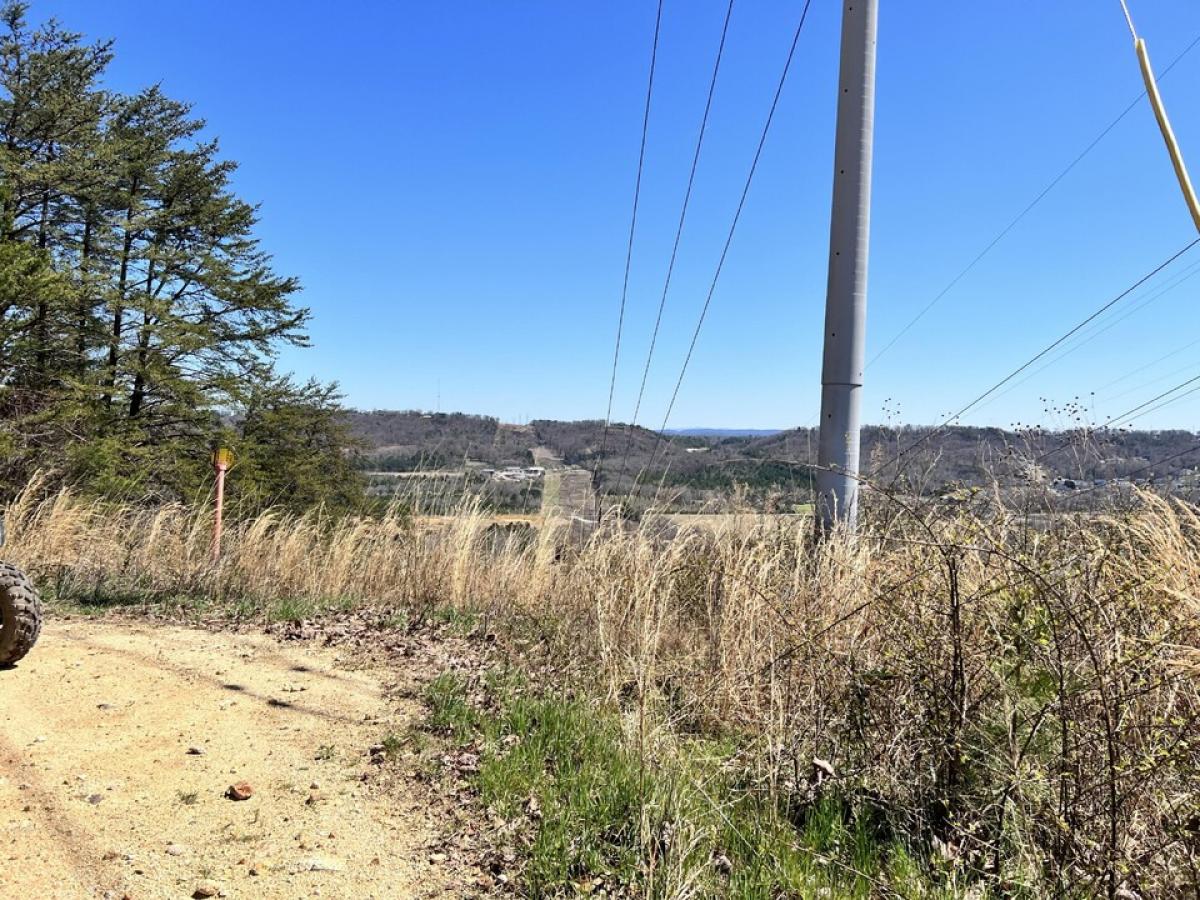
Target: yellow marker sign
{"points": [[223, 458]]}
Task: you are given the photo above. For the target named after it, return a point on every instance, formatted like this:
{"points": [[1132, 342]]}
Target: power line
{"points": [[1147, 467], [1103, 309], [687, 196], [1041, 353], [1188, 273], [637, 191], [1129, 415], [1153, 381], [1028, 209], [1100, 329], [729, 238], [1125, 418], [1150, 365]]}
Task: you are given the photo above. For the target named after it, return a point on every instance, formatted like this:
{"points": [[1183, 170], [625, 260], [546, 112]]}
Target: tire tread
{"points": [[20, 614]]}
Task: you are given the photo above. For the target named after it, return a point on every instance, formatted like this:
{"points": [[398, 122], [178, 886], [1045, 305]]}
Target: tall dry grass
{"points": [[1020, 703], [82, 547]]}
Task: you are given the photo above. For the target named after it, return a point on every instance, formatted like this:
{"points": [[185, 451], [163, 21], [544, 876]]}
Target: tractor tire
{"points": [[20, 615]]}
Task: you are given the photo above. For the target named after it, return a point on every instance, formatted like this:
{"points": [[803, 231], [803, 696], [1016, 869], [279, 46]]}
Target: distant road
{"points": [[546, 458], [567, 492]]}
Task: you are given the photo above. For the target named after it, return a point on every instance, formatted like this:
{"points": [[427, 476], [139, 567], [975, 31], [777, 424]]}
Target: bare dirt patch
{"points": [[120, 743]]}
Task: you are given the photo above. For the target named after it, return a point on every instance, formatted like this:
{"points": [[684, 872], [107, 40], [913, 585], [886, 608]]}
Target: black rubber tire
{"points": [[20, 615]]}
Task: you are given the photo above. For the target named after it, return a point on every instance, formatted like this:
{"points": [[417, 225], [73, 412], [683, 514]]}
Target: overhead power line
{"points": [[1128, 416], [1138, 471], [1058, 341], [637, 192], [1154, 362], [1152, 382], [1145, 384], [1054, 182], [1101, 328], [1040, 354], [1165, 403], [729, 238], [1136, 412], [687, 196], [1133, 414]]}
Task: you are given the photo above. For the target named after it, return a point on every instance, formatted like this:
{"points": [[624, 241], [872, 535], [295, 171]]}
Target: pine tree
{"points": [[294, 449], [139, 315], [50, 107]]}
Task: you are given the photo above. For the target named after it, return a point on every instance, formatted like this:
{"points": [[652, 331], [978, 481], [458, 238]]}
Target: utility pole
{"points": [[846, 294]]}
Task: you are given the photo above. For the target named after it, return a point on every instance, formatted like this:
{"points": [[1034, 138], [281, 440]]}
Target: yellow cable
{"points": [[1164, 124]]}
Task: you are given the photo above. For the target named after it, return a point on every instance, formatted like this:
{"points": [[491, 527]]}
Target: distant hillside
{"points": [[972, 456], [409, 440], [710, 462]]}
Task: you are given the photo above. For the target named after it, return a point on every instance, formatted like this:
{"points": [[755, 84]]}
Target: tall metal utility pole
{"points": [[846, 294]]}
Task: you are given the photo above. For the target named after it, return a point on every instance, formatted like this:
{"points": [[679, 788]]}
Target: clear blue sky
{"points": [[452, 181]]}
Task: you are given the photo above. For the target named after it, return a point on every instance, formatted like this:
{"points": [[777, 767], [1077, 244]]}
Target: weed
{"points": [[393, 744], [451, 713], [461, 622], [291, 609], [595, 815]]}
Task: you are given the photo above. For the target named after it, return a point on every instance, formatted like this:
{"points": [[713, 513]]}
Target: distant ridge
{"points": [[717, 459], [725, 432]]}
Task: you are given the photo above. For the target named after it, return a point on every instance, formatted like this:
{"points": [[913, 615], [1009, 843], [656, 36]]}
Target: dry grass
{"points": [[1020, 704]]}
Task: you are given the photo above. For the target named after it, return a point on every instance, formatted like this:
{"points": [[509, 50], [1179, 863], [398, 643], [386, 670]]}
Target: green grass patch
{"points": [[593, 816], [297, 609], [450, 713], [460, 622]]}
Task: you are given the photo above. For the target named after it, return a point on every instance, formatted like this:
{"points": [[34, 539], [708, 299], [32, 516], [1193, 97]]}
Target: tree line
{"points": [[140, 317]]}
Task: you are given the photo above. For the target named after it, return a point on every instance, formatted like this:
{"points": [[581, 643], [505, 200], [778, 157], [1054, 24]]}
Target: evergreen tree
{"points": [[50, 108], [294, 449], [139, 315]]}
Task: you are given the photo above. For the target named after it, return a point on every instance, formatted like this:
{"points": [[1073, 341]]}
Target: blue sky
{"points": [[451, 181]]}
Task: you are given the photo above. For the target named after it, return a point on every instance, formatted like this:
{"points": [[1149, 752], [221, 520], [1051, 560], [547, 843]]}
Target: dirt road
{"points": [[119, 741]]}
